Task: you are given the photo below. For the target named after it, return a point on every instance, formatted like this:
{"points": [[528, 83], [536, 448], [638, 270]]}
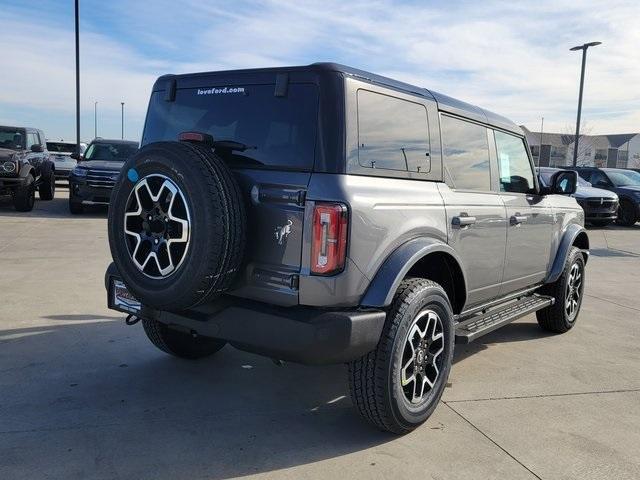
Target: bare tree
{"points": [[586, 147]]}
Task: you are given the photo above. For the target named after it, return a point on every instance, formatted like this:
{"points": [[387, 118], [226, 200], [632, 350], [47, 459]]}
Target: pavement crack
{"points": [[546, 395], [492, 440], [612, 302]]}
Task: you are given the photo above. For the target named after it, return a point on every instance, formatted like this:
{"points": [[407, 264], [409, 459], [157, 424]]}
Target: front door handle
{"points": [[463, 221], [517, 219]]}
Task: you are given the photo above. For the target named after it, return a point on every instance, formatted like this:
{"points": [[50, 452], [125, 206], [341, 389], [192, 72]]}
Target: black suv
{"points": [[92, 181], [25, 166], [626, 183]]}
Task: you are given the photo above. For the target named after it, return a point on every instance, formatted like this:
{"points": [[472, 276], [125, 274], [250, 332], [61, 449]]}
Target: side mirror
{"points": [[75, 156], [564, 182], [37, 148]]}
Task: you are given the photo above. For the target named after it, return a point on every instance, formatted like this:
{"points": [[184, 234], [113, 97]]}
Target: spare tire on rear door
{"points": [[176, 225]]}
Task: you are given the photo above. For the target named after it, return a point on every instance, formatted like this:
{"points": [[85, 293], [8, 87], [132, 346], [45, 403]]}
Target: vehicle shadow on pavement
{"points": [[88, 400], [513, 332], [56, 208]]}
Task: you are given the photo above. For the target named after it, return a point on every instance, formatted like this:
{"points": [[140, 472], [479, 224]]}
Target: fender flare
{"points": [[27, 169], [569, 236], [395, 268]]}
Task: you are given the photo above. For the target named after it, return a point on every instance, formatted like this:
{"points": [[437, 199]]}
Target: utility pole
{"points": [[77, 12], [122, 120], [584, 61]]}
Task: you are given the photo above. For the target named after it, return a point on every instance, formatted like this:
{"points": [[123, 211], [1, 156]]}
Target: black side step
{"points": [[485, 322]]}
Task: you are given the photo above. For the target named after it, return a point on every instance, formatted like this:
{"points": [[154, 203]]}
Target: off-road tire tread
{"points": [[367, 377], [22, 197], [47, 187]]}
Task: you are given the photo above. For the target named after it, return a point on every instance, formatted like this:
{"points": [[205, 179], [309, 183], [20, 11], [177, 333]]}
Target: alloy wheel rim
{"points": [[422, 356], [157, 226], [574, 291]]}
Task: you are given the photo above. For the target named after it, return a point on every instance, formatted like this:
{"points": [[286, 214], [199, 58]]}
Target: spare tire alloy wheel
{"points": [[157, 226]]}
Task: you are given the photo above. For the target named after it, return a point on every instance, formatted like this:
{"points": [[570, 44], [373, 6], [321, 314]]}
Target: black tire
{"points": [[24, 197], [556, 318], [627, 213], [75, 208], [375, 380], [215, 247], [180, 344], [47, 187], [600, 223]]}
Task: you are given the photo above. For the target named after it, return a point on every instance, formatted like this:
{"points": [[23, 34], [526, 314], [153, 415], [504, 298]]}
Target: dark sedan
{"points": [[625, 183], [92, 181], [600, 206]]}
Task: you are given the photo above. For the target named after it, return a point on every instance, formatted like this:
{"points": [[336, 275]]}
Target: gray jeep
{"points": [[323, 214]]}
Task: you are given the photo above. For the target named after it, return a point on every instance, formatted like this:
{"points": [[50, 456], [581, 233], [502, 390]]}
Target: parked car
{"points": [[62, 153], [25, 167], [92, 180], [600, 206], [323, 214], [625, 183]]}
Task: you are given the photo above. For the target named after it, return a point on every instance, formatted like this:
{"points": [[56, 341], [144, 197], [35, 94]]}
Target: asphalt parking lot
{"points": [[84, 396]]}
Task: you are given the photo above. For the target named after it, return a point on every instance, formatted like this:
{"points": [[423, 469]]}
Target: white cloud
{"points": [[512, 58]]}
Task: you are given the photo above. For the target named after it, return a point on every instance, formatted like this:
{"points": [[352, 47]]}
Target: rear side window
{"points": [[279, 132], [516, 174], [393, 134], [465, 154]]}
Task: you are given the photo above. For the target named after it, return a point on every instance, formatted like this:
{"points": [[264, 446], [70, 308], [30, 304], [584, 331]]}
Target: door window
{"points": [[465, 150], [599, 179], [32, 139], [516, 174], [393, 133]]}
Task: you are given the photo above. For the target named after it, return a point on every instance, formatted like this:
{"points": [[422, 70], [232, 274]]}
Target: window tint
{"points": [[117, 152], [32, 139], [516, 174], [279, 131], [598, 178], [466, 154], [393, 134]]}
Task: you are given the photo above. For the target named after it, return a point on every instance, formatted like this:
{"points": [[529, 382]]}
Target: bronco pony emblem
{"points": [[281, 233]]}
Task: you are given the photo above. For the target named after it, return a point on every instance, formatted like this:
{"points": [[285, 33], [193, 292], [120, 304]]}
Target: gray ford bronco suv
{"points": [[323, 214]]}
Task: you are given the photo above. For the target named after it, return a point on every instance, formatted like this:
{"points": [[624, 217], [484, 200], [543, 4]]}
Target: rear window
{"points": [[279, 132], [56, 147]]}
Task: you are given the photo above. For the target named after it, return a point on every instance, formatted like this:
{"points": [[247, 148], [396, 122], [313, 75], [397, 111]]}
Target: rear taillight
{"points": [[329, 246]]}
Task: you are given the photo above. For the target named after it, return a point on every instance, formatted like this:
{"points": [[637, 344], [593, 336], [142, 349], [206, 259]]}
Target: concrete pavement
{"points": [[83, 396]]}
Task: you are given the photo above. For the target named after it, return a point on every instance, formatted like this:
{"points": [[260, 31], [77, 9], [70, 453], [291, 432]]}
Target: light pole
{"points": [[77, 20], [540, 147], [95, 119], [122, 120], [584, 60]]}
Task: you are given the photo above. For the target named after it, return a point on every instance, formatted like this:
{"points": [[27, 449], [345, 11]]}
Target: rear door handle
{"points": [[463, 221], [517, 219]]}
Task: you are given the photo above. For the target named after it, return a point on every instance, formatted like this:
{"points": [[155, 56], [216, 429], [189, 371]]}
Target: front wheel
{"points": [[180, 344], [47, 188], [567, 292], [24, 197], [627, 213], [398, 385]]}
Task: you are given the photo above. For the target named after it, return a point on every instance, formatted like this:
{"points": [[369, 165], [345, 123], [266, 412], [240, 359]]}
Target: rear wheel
{"points": [[567, 291], [627, 213], [180, 344], [397, 386], [24, 197], [47, 188]]}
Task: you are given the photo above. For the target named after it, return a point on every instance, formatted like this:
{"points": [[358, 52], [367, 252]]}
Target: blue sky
{"points": [[510, 57]]}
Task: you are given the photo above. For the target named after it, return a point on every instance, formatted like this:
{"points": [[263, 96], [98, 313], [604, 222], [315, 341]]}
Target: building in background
{"points": [[619, 150]]}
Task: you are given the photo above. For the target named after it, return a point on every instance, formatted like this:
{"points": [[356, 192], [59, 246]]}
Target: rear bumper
{"points": [[304, 335]]}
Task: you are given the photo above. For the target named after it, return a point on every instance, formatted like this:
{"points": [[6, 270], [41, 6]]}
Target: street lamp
{"points": [[122, 120], [95, 119], [584, 60], [77, 25]]}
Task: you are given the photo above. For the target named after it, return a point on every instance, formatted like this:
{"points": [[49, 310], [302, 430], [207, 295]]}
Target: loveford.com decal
{"points": [[220, 91]]}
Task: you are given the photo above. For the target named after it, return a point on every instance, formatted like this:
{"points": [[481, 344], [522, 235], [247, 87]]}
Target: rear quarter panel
{"points": [[384, 214]]}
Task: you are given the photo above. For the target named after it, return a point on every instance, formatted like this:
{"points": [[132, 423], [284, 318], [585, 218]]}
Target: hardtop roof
{"points": [[445, 103]]}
